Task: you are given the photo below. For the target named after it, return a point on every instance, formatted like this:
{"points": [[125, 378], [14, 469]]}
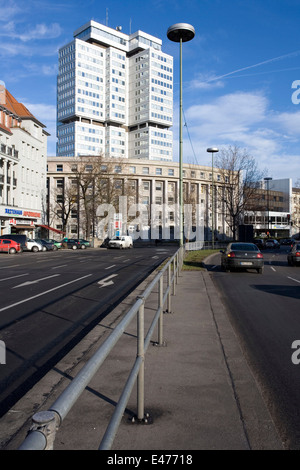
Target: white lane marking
{"points": [[112, 266], [27, 283], [107, 281], [11, 266], [273, 269], [43, 293], [13, 277], [59, 266], [296, 280]]}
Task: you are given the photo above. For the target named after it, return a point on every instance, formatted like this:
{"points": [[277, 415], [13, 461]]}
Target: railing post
{"points": [[169, 289], [160, 306], [174, 277], [141, 353]]}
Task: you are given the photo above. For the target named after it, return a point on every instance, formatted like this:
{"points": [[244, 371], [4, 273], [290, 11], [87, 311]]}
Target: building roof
{"points": [[18, 109], [5, 129]]}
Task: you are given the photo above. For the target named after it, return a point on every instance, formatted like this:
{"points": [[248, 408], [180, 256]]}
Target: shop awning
{"points": [[50, 228]]}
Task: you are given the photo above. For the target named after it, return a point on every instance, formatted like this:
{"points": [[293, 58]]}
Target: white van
{"points": [[124, 241]]}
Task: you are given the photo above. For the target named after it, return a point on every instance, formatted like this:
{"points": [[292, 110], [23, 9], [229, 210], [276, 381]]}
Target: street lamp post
{"points": [[180, 32], [268, 179], [212, 150]]}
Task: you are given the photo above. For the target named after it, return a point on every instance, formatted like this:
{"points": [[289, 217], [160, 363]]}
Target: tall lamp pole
{"points": [[212, 150], [268, 202], [180, 32]]}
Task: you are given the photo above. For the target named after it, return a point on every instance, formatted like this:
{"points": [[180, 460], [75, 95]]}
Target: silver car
{"points": [[239, 255]]}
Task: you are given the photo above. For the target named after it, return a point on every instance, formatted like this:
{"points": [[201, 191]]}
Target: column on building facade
{"points": [[5, 188]]}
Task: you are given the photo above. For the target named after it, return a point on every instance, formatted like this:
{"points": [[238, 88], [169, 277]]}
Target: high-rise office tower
{"points": [[114, 95]]}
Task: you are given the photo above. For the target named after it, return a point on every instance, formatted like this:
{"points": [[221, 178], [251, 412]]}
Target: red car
{"points": [[9, 246]]}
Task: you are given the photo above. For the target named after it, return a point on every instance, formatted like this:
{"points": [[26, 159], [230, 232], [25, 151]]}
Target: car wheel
{"points": [[44, 248], [260, 270], [12, 251], [55, 248], [74, 247], [35, 249], [83, 247]]}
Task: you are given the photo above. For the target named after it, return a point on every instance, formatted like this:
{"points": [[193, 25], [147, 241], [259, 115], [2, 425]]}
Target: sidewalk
{"points": [[199, 391]]}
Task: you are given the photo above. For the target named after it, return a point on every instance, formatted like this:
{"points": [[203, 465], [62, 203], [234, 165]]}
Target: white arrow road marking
{"points": [[27, 283], [107, 281], [43, 293]]}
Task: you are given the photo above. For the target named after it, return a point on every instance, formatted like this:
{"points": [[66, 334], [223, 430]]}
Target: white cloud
{"points": [[41, 31], [289, 122], [229, 115], [8, 10], [244, 119], [205, 82], [43, 112]]}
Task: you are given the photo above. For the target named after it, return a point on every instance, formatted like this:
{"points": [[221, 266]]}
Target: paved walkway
{"points": [[199, 390]]}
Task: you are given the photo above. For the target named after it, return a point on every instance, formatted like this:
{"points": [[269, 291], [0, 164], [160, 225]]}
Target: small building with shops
{"points": [[23, 166]]}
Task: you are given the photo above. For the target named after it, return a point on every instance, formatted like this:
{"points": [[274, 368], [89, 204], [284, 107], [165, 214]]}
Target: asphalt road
{"points": [[265, 312], [51, 300]]}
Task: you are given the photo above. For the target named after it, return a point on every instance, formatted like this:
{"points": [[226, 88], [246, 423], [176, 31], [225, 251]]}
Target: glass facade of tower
{"points": [[114, 95]]}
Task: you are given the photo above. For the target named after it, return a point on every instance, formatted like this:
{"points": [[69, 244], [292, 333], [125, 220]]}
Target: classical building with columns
{"points": [[149, 192], [23, 155]]}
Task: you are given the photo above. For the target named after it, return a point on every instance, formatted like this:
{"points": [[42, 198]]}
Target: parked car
{"points": [[9, 246], [56, 244], [27, 244], [21, 239], [74, 243], [259, 243], [124, 241], [293, 257], [33, 245], [243, 256], [271, 243], [85, 242], [286, 241], [47, 246]]}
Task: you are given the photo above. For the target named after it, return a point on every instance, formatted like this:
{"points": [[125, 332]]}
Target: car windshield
{"points": [[243, 247]]}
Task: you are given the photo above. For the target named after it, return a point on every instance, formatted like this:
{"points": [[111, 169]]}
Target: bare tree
{"points": [[64, 202], [99, 181], [238, 183]]}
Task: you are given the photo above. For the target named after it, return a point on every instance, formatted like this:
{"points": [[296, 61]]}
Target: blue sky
{"points": [[238, 71]]}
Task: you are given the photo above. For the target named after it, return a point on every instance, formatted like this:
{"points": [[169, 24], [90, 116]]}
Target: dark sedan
{"points": [[240, 255], [74, 244], [47, 245], [293, 257]]}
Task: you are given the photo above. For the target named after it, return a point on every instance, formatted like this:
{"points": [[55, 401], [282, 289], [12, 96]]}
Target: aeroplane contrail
{"points": [[255, 65]]}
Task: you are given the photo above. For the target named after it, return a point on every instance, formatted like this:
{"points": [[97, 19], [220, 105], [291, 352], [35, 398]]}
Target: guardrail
{"points": [[205, 245], [45, 424]]}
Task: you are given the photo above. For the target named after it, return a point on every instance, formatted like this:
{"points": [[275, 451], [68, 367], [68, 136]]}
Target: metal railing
{"points": [[45, 424], [205, 245]]}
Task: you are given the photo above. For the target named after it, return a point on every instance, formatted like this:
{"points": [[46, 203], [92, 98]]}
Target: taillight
{"points": [[259, 255], [231, 255], [297, 253]]}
